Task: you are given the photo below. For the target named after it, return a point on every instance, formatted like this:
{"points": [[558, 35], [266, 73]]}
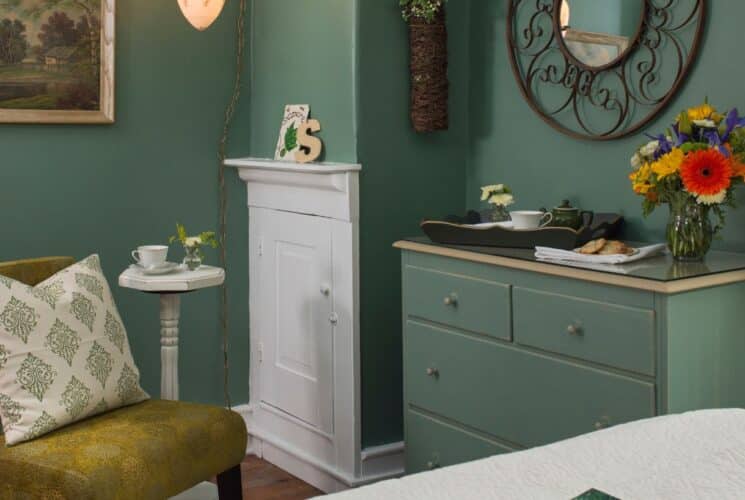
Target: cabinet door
{"points": [[296, 331]]}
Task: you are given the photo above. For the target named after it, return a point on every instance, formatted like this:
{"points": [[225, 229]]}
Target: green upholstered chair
{"points": [[152, 450]]}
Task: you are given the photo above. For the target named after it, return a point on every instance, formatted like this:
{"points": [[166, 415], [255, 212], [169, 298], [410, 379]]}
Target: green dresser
{"points": [[503, 353]]}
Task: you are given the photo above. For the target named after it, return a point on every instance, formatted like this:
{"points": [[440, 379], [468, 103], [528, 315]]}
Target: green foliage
{"points": [[737, 142], [206, 238], [180, 234], [290, 140], [424, 9]]}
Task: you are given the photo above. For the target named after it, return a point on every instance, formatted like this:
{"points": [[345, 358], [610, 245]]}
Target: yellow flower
{"points": [[668, 164], [640, 179], [704, 112]]}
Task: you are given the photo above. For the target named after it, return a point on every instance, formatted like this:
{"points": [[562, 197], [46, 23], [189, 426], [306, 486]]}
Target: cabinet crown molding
{"points": [[323, 189]]}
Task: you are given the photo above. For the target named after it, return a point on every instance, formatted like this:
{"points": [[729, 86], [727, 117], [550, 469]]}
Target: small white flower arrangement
{"points": [[193, 245], [501, 197], [497, 194]]}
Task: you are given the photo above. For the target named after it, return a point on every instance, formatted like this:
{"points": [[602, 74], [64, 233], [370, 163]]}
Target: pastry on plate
{"points": [[592, 247], [602, 246]]}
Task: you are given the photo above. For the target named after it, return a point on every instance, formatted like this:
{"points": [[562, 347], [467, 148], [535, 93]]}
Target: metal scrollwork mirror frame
{"points": [[630, 88]]}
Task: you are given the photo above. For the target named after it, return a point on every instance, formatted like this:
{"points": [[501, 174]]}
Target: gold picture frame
{"points": [[595, 49], [58, 74]]}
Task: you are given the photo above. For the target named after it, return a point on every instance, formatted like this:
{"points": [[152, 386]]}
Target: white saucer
{"points": [[165, 268]]}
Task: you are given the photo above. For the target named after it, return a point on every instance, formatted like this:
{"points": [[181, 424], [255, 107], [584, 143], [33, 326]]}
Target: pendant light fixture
{"points": [[201, 13]]}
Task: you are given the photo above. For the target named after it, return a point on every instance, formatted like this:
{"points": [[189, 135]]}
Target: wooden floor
{"points": [[264, 481]]}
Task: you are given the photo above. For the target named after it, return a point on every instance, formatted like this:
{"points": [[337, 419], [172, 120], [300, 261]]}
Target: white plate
{"points": [[166, 268], [489, 225]]}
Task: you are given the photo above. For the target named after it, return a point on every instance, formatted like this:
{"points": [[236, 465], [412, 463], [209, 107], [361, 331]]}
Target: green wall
{"points": [[302, 52], [509, 143], [406, 177], [75, 190]]}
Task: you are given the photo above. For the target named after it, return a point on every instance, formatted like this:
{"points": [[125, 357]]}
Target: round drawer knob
{"points": [[574, 329], [433, 372], [432, 465], [451, 300]]}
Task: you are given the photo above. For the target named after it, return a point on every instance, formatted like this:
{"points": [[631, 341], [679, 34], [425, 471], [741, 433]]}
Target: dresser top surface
{"points": [[659, 274]]}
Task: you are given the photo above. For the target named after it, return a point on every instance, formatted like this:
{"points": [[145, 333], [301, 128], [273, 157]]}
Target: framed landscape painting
{"points": [[57, 61]]}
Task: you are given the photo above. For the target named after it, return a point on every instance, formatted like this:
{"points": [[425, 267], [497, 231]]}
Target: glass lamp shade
{"points": [[201, 13]]}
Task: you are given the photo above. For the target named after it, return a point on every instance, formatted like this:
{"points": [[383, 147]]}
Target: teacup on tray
{"points": [[530, 219]]}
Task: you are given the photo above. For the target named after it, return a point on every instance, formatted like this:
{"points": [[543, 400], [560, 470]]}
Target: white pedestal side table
{"points": [[170, 287]]}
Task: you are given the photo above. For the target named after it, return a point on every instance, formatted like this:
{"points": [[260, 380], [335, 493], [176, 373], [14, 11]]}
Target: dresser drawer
{"points": [[608, 334], [521, 397], [464, 302], [431, 444]]}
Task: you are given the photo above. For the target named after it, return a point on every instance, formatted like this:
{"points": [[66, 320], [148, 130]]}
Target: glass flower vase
{"points": [[499, 214], [192, 258], [689, 230]]}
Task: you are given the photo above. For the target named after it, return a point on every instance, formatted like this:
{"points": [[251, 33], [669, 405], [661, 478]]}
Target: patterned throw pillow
{"points": [[64, 353]]}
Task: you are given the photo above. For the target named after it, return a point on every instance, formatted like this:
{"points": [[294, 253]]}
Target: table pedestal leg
{"points": [[170, 310], [169, 316]]}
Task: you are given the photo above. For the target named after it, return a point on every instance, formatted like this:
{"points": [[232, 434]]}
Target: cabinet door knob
{"points": [[575, 329], [451, 300], [432, 465], [433, 372], [325, 290], [603, 423], [333, 318]]}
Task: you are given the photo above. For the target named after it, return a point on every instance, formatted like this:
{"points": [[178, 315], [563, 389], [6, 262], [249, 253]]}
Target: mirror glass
{"points": [[599, 32]]}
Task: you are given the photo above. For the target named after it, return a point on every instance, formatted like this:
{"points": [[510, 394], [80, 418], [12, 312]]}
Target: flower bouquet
{"points": [[193, 245], [501, 197], [694, 168]]}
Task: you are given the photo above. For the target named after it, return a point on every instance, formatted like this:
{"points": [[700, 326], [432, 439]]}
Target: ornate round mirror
{"points": [[599, 32], [602, 69]]}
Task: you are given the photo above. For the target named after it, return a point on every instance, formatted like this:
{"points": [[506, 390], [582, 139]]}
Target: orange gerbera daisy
{"points": [[706, 172]]}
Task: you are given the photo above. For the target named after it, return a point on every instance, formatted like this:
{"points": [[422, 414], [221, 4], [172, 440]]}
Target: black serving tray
{"points": [[454, 231]]}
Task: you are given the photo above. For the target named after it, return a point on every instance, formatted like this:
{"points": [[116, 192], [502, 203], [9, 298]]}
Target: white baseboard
{"points": [[376, 463]]}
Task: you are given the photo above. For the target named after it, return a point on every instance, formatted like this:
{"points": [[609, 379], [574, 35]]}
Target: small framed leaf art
{"points": [[287, 144]]}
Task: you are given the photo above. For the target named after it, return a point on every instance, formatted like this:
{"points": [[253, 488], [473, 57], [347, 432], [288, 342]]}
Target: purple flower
{"points": [[712, 136], [665, 146], [680, 138], [732, 122]]}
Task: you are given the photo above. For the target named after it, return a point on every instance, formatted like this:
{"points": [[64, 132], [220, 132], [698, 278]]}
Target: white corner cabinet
{"points": [[304, 410]]}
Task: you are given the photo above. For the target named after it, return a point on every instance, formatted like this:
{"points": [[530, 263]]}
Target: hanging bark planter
{"points": [[429, 73]]}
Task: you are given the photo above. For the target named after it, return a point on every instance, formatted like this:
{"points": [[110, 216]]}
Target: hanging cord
{"points": [[223, 195]]}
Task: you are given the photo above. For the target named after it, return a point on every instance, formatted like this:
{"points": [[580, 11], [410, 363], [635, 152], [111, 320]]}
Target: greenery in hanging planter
{"points": [[423, 9]]}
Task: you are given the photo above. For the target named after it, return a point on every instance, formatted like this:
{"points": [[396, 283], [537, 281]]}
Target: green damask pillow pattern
{"points": [[64, 353]]}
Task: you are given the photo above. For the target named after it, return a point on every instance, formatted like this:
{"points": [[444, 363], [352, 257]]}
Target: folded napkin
{"points": [[546, 253]]}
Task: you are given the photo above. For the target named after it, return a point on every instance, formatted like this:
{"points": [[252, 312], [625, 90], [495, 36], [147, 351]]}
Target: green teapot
{"points": [[565, 215]]}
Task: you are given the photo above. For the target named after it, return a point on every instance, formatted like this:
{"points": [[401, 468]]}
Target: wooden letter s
{"points": [[313, 145]]}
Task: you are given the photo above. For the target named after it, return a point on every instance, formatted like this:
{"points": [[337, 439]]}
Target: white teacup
{"points": [[530, 219], [150, 256]]}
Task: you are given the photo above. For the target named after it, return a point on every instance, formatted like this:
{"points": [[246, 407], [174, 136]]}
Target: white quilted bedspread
{"points": [[698, 455]]}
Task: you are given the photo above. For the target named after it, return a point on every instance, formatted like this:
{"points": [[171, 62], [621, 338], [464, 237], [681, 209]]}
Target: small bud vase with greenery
{"points": [[501, 197], [694, 168], [193, 246]]}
